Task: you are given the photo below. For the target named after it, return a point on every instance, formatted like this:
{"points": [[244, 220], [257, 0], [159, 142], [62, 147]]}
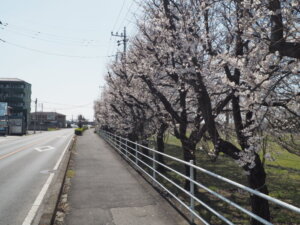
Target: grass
{"points": [[51, 129], [70, 173], [285, 159], [283, 181]]}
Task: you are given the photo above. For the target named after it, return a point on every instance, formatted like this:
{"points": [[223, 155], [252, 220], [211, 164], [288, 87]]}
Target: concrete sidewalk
{"points": [[107, 191]]}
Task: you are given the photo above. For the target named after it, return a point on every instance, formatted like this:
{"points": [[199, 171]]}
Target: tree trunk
{"points": [[188, 154], [278, 42], [161, 146], [257, 181]]}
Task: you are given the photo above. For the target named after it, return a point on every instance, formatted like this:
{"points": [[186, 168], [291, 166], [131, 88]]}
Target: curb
{"points": [[46, 214]]}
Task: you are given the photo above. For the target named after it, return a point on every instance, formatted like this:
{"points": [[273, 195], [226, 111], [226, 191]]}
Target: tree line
{"points": [[206, 69]]}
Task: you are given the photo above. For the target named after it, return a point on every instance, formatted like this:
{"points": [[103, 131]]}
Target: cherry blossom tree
{"points": [[196, 61], [130, 110]]}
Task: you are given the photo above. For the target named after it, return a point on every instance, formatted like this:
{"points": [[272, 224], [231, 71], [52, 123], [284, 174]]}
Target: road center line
{"points": [[38, 201], [21, 149]]}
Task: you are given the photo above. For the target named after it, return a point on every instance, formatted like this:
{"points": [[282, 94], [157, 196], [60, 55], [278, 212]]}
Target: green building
{"points": [[17, 94]]}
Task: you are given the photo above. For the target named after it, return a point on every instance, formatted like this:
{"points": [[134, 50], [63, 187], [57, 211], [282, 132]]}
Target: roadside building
{"points": [[46, 120], [16, 94]]}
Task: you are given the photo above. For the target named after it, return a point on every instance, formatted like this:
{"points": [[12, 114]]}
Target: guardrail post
{"points": [[126, 150], [192, 190], [154, 165], [120, 143], [136, 154]]}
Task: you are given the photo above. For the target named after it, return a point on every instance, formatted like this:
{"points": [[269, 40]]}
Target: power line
{"points": [[49, 53], [119, 14], [128, 10], [134, 14], [109, 52], [124, 20], [81, 43], [55, 103], [68, 107], [38, 32]]}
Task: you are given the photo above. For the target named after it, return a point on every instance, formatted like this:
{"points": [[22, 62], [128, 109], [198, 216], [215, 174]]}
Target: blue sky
{"points": [[62, 48]]}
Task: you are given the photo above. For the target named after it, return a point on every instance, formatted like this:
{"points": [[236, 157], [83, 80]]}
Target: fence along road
{"points": [[133, 153]]}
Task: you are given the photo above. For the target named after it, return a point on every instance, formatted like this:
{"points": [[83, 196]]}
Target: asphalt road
{"points": [[25, 163]]}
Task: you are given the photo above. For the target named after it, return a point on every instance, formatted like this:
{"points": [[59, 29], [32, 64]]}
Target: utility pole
{"points": [[35, 116], [41, 121], [124, 40]]}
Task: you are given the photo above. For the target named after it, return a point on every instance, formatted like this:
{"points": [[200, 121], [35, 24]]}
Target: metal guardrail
{"points": [[132, 152]]}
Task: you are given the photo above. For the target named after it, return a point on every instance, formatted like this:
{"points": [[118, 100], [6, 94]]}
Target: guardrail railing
{"points": [[133, 152]]}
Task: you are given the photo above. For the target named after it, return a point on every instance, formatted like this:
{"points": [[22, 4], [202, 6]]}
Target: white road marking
{"points": [[30, 216], [38, 201], [44, 148]]}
